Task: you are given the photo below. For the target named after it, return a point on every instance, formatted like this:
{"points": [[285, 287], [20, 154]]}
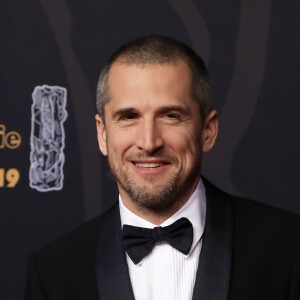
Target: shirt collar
{"points": [[194, 210]]}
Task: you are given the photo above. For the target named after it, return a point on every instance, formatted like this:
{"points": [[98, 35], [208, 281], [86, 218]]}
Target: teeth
{"points": [[148, 165]]}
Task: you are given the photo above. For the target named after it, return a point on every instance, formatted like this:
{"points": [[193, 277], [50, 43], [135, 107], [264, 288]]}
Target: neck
{"points": [[156, 215]]}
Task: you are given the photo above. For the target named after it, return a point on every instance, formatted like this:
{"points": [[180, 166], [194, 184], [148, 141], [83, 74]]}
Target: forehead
{"points": [[150, 81]]}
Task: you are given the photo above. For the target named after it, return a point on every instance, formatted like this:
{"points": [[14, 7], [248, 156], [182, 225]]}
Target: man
{"points": [[173, 235]]}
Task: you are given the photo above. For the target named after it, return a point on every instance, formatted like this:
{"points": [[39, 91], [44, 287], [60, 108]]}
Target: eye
{"points": [[172, 117], [128, 116]]}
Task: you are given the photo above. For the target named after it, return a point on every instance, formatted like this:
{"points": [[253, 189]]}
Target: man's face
{"points": [[153, 134]]}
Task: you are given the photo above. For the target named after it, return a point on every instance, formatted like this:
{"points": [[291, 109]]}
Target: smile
{"points": [[151, 165]]}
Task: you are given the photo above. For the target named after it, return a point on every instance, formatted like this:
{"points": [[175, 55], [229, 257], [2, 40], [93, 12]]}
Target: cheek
{"points": [[118, 145], [184, 141], [192, 155]]}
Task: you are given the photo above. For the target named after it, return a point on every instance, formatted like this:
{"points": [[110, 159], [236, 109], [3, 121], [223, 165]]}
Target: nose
{"points": [[149, 137]]}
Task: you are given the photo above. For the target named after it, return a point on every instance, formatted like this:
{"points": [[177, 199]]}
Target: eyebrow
{"points": [[123, 111], [176, 108], [162, 109]]}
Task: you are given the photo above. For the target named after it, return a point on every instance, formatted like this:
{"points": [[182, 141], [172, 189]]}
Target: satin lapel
{"points": [[111, 266], [213, 274]]}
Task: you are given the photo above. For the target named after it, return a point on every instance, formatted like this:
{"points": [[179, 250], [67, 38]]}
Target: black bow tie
{"points": [[138, 242]]}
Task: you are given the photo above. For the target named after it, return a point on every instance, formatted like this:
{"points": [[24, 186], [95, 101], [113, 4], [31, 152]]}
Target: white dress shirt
{"points": [[166, 273]]}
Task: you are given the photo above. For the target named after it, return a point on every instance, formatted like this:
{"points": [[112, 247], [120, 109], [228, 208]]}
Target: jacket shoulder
{"points": [[250, 211], [75, 248]]}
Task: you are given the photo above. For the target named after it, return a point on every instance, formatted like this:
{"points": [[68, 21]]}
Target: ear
{"points": [[210, 131], [101, 134]]}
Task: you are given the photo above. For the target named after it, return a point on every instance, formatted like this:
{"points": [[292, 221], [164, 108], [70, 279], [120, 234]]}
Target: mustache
{"points": [[160, 154]]}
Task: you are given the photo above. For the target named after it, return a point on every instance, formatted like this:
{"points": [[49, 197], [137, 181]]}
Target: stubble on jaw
{"points": [[148, 195], [151, 197]]}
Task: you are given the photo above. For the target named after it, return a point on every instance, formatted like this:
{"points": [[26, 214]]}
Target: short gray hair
{"points": [[159, 50]]}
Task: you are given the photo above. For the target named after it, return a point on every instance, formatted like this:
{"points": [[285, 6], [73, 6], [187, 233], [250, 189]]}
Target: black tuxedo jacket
{"points": [[250, 251]]}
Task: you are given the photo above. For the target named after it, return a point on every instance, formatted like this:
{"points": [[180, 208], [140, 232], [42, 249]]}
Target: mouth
{"points": [[151, 165], [146, 165]]}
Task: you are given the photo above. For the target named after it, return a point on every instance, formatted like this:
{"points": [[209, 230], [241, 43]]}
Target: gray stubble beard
{"points": [[160, 198], [163, 197]]}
